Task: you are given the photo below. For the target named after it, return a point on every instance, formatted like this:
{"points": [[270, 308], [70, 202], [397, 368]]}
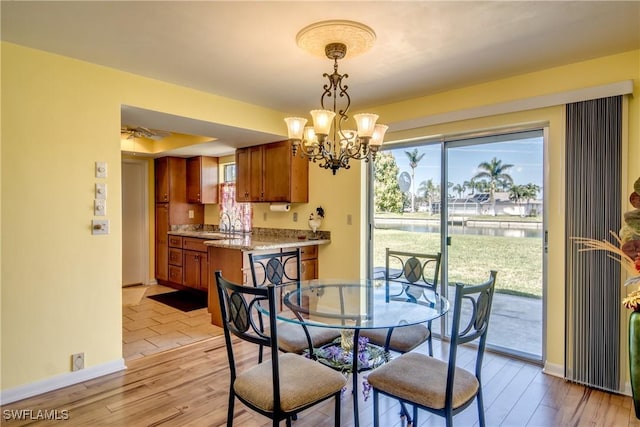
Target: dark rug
{"points": [[182, 300]]}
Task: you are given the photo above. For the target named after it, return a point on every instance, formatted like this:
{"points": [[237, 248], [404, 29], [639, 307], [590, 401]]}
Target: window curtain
{"points": [[593, 194], [241, 214]]}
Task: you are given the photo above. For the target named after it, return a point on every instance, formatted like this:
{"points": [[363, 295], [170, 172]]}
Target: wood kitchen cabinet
{"points": [[195, 262], [172, 208], [234, 264], [162, 244], [170, 176], [202, 179], [270, 173], [249, 177], [175, 260]]}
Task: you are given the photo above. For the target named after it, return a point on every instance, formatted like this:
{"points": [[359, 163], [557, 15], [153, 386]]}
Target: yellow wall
{"points": [[61, 286]]}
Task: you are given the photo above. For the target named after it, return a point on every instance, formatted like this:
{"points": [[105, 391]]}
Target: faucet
{"points": [[230, 228]]}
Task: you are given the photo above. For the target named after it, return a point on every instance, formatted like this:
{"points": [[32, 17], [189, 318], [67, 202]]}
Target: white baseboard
{"points": [[59, 381], [553, 369]]}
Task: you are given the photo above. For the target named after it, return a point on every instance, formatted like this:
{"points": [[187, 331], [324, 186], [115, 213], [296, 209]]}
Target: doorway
{"points": [[135, 223], [479, 202]]}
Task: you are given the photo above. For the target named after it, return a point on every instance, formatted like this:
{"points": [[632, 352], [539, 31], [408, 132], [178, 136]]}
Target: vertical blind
{"points": [[593, 187]]}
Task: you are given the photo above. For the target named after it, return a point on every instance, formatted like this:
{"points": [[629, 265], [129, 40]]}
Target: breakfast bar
{"points": [[228, 252]]}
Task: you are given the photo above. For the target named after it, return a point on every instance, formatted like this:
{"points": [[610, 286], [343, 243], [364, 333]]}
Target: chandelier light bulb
{"points": [[295, 127], [322, 120], [366, 123], [378, 135]]}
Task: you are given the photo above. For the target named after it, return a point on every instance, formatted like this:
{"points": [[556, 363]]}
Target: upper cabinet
{"points": [[202, 179], [169, 179], [270, 173], [249, 177]]}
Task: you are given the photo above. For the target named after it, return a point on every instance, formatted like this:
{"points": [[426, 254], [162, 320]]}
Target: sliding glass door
{"points": [[478, 201]]}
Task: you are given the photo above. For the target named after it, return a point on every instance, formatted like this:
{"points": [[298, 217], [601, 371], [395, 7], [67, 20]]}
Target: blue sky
{"points": [[526, 156]]}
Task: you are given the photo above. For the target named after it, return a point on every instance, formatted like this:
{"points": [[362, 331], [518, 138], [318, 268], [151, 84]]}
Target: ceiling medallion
{"points": [[336, 40]]}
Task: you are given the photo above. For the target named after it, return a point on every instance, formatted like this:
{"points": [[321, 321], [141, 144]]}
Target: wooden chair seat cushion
{"points": [[403, 339], [296, 388], [422, 379], [292, 339]]}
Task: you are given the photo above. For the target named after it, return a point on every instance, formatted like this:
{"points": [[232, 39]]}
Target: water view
{"points": [[533, 230]]}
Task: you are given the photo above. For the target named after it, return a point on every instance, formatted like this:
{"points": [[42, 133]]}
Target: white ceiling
{"points": [[247, 50]]}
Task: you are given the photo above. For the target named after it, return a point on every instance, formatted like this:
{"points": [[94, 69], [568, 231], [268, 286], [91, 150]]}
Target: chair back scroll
{"points": [[240, 316], [480, 299], [275, 268], [414, 271]]}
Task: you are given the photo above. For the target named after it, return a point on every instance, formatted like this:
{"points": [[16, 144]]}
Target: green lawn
{"points": [[518, 261]]}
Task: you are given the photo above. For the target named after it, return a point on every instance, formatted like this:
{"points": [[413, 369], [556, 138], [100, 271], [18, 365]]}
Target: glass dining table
{"points": [[355, 305]]}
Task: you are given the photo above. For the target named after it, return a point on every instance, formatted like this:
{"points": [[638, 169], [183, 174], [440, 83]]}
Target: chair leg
{"points": [[376, 421], [276, 423], [449, 418], [480, 408], [414, 422], [260, 354], [337, 411], [230, 410], [430, 343]]}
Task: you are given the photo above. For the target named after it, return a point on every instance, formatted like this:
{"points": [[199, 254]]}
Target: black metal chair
{"points": [[434, 385], [415, 273], [279, 268], [288, 383]]}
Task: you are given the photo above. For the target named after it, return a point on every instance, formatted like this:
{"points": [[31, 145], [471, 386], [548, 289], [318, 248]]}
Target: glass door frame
{"points": [[446, 143]]}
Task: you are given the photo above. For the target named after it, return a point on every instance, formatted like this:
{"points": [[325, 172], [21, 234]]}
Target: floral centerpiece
{"points": [[335, 356]]}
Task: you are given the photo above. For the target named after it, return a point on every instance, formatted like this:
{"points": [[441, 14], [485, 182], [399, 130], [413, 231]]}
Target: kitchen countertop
{"points": [[249, 242]]}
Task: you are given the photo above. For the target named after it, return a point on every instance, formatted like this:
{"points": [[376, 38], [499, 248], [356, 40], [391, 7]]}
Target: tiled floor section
{"points": [[151, 327]]}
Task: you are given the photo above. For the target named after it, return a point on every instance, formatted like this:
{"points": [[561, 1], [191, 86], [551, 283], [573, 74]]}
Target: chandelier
{"points": [[329, 141]]}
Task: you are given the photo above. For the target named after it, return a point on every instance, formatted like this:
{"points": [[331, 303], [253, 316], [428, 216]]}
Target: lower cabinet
{"points": [[235, 267], [195, 264], [188, 263]]}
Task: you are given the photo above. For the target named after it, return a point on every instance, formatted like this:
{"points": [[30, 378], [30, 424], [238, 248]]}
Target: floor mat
{"points": [[182, 300]]}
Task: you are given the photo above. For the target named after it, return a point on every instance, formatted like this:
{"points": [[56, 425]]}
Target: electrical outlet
{"points": [[295, 217], [77, 361], [100, 226], [191, 214]]}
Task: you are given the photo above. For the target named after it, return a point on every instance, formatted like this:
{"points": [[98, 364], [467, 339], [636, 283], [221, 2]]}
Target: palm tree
{"points": [[496, 173], [459, 189], [471, 185], [414, 159], [429, 191]]}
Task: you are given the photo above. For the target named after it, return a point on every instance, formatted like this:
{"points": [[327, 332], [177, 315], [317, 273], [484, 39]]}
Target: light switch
{"points": [[99, 207], [101, 190], [101, 169], [191, 214], [100, 226]]}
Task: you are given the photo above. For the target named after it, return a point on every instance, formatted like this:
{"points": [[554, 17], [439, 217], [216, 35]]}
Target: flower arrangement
{"points": [[369, 356], [626, 247]]}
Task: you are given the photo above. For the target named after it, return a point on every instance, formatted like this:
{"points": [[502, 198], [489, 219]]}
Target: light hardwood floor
{"points": [[188, 386], [149, 327]]}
